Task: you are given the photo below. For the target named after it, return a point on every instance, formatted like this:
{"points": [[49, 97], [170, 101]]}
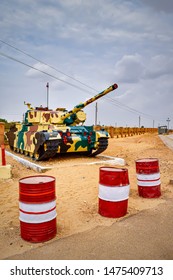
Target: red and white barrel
{"points": [[148, 177], [114, 191], [37, 208]]}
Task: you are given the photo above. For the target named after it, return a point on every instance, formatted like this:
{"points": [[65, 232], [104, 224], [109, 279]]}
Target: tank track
{"points": [[103, 144], [52, 147]]}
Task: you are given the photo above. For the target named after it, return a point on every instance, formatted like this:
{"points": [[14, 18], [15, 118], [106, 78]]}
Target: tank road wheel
{"points": [[39, 153], [45, 147], [36, 156], [26, 153], [31, 154]]}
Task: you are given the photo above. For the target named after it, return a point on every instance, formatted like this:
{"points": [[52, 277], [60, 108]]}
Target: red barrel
{"points": [[113, 192], [37, 207], [148, 177]]}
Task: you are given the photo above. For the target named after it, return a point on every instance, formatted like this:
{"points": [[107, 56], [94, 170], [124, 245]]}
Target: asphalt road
{"points": [[167, 140], [147, 235]]}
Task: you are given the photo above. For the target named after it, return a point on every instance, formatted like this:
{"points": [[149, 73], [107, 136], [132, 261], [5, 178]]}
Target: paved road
{"points": [[167, 140], [146, 235]]}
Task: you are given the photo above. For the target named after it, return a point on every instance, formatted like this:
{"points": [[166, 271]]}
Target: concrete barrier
{"points": [[5, 169]]}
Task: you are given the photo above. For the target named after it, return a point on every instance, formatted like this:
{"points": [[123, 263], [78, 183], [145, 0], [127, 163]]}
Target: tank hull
{"points": [[41, 142]]}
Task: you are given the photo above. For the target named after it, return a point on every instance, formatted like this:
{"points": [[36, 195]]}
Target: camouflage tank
{"points": [[45, 133]]}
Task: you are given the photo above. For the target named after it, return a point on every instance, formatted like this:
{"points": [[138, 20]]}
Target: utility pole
{"points": [[168, 120], [47, 95], [139, 121], [96, 111]]}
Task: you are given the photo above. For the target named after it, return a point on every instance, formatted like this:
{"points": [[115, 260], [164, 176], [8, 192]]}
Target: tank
{"points": [[45, 133]]}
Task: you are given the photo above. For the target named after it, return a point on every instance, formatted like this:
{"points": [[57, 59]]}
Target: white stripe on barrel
{"points": [[37, 213], [148, 177], [114, 191]]}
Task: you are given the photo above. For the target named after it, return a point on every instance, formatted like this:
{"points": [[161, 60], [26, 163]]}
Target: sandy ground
{"points": [[77, 190]]}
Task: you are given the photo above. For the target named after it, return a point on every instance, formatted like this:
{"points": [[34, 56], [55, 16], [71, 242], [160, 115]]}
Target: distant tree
{"points": [[3, 120]]}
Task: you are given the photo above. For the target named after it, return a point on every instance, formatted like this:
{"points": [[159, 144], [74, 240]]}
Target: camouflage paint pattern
{"points": [[28, 140], [45, 133]]}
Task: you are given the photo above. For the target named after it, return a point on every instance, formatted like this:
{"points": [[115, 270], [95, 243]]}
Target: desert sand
{"points": [[77, 190]]}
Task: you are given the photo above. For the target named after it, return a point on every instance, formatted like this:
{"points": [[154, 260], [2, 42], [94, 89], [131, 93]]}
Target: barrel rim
{"points": [[146, 160], [113, 169], [34, 176]]}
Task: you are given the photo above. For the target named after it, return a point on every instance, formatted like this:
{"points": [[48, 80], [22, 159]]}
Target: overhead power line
{"points": [[109, 99], [50, 66], [48, 74]]}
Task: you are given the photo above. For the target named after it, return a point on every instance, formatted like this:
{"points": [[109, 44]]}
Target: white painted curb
{"points": [[27, 163], [105, 160]]}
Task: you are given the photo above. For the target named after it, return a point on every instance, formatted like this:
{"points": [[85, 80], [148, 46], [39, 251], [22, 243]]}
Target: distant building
{"points": [[162, 129]]}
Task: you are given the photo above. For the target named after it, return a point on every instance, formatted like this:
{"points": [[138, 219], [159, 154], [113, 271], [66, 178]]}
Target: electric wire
{"points": [[50, 66], [109, 99], [48, 74]]}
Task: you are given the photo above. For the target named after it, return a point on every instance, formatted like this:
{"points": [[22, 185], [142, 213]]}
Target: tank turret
{"points": [[61, 116], [45, 133]]}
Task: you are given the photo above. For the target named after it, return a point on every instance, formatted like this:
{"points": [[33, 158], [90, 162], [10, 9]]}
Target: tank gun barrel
{"points": [[80, 106]]}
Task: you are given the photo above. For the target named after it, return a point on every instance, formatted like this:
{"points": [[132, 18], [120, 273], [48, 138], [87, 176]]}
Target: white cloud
{"points": [[158, 66], [129, 69], [99, 43], [160, 5]]}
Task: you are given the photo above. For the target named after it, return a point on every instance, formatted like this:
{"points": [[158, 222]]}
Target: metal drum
{"points": [[37, 207], [148, 177], [113, 192]]}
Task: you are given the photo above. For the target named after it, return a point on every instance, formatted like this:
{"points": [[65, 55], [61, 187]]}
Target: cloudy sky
{"points": [[81, 47]]}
